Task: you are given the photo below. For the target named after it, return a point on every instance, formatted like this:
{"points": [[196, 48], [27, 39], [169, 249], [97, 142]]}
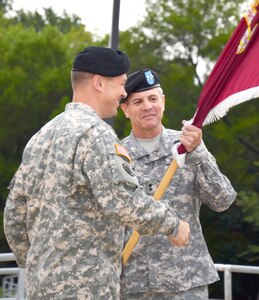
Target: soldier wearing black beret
{"points": [[156, 270], [75, 192]]}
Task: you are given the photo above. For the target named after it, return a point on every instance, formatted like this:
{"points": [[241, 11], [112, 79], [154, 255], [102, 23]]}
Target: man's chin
{"points": [[150, 124], [111, 115]]}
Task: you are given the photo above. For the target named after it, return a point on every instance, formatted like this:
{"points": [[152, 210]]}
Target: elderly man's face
{"points": [[145, 110]]}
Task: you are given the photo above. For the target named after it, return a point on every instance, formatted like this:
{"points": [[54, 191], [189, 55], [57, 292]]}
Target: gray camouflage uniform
{"points": [[154, 264], [67, 207]]}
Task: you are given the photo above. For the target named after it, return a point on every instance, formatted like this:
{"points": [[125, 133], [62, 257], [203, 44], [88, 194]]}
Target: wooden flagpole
{"points": [[157, 196]]}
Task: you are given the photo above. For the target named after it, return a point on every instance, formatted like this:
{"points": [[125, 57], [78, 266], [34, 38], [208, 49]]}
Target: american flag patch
{"points": [[120, 150]]}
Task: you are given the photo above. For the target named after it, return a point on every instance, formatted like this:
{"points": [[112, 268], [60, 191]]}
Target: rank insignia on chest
{"points": [[121, 151]]}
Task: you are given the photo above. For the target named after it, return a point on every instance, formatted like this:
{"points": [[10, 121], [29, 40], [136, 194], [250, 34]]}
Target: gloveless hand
{"points": [[191, 136], [183, 235]]}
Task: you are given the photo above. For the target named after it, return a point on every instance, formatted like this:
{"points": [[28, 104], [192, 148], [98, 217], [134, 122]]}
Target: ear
{"points": [[98, 82], [163, 100], [124, 107]]}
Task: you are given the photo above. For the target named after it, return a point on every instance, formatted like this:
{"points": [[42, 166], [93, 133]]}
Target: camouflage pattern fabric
{"points": [[154, 264], [68, 204], [197, 293]]}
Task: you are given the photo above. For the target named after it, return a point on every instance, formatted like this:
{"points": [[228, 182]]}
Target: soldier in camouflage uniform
{"points": [[155, 270], [75, 191]]}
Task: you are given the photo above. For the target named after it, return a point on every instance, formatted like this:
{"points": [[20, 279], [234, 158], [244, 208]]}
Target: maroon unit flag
{"points": [[235, 76]]}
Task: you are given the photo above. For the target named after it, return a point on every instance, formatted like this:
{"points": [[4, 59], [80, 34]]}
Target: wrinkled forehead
{"points": [[155, 92]]}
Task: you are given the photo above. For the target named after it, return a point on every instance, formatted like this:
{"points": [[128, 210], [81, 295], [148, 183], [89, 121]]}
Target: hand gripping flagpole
{"points": [[233, 80]]}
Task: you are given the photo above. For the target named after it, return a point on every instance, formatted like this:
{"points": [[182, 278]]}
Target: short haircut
{"points": [[79, 78]]}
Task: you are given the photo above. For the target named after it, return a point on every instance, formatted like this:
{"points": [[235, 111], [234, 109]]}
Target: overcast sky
{"points": [[95, 14]]}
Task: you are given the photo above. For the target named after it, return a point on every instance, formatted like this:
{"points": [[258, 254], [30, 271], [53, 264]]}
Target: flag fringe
{"points": [[220, 110]]}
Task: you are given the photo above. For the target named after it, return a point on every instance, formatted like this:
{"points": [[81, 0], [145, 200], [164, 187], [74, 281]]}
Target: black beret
{"points": [[103, 61], [141, 80]]}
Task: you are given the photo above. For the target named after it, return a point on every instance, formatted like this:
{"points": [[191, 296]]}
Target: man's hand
{"points": [[182, 238], [191, 137]]}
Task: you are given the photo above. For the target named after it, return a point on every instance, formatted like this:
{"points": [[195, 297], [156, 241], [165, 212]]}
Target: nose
{"points": [[124, 93], [146, 104]]}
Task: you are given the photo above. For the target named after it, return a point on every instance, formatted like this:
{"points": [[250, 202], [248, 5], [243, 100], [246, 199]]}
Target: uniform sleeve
{"points": [[119, 194], [211, 186], [15, 219]]}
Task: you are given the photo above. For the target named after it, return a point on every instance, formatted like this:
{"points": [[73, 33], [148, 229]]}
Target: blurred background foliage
{"points": [[179, 39]]}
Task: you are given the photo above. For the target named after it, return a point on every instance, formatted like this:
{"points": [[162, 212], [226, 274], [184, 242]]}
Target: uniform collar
{"points": [[81, 106], [163, 149]]}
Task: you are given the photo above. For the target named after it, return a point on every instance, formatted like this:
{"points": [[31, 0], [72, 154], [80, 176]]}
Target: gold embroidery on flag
{"points": [[245, 39], [248, 16]]}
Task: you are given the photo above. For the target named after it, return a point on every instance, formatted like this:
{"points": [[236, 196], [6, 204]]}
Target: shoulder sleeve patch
{"points": [[121, 151]]}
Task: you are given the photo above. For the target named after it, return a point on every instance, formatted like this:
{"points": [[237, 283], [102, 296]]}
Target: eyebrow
{"points": [[134, 99], [139, 98]]}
